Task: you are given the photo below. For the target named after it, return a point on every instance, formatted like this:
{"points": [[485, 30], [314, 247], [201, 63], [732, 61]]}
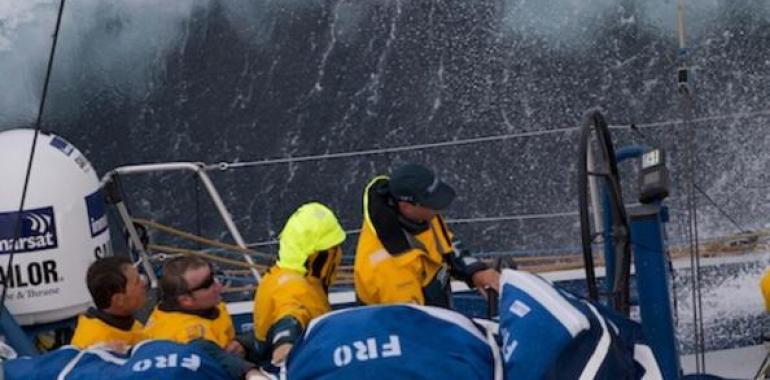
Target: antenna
{"points": [[38, 121], [684, 75]]}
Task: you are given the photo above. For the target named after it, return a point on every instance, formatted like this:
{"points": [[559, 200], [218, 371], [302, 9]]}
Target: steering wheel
{"points": [[602, 213]]}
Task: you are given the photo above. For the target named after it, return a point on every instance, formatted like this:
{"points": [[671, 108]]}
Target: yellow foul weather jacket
{"points": [[294, 291], [183, 327], [399, 263], [96, 327], [284, 293]]}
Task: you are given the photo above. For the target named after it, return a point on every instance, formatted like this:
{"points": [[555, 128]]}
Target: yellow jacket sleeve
{"points": [[290, 303], [284, 292]]}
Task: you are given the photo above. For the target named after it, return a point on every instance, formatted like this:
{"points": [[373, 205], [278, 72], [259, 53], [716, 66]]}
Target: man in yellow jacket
{"points": [[295, 289], [406, 253], [117, 291], [191, 306]]}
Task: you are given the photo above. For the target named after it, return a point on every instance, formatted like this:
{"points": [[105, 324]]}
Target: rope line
{"points": [[204, 255], [198, 239]]}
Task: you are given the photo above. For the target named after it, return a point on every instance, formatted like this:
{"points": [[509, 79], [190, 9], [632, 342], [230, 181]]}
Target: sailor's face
{"points": [[205, 291], [323, 265], [415, 212], [136, 289]]}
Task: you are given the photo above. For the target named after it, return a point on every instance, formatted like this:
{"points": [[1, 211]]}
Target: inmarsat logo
{"points": [[38, 223], [38, 231]]}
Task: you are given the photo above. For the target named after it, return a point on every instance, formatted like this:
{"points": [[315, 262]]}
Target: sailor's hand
{"points": [[280, 353], [256, 374], [487, 278], [115, 346], [234, 347]]}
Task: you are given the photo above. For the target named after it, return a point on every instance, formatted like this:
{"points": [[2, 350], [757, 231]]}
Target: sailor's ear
{"points": [[118, 299], [184, 300]]}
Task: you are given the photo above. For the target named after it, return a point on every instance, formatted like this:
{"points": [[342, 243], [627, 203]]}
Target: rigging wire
{"points": [[680, 122], [688, 105], [721, 210], [481, 219], [504, 218], [198, 231], [692, 232], [403, 148], [475, 140], [698, 358], [43, 97]]}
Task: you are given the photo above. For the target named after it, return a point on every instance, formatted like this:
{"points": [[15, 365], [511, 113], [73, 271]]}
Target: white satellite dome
{"points": [[63, 227]]}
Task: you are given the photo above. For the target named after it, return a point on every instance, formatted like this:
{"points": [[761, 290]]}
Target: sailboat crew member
{"points": [[118, 292], [295, 290], [406, 253]]}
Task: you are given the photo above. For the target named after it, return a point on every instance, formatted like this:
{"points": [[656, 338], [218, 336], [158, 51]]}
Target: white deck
{"points": [[736, 363]]}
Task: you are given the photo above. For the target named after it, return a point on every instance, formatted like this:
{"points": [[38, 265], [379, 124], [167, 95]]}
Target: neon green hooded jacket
{"points": [[289, 289]]}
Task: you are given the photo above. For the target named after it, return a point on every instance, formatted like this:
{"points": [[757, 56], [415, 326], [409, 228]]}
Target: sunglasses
{"points": [[206, 284]]}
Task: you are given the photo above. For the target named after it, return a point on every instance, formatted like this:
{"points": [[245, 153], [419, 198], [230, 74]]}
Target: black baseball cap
{"points": [[419, 185]]}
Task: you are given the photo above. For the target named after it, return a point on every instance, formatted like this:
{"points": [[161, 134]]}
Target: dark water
{"points": [[252, 80], [240, 80]]}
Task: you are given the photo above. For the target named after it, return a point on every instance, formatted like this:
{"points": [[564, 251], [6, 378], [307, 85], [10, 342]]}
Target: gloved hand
{"points": [[114, 346], [257, 374], [7, 352], [235, 348], [280, 353], [487, 278]]}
